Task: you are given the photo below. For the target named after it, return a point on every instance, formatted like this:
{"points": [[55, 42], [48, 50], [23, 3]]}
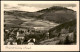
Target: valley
{"points": [[50, 26]]}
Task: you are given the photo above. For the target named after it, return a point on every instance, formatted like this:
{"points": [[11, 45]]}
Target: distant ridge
{"points": [[55, 8], [57, 14]]}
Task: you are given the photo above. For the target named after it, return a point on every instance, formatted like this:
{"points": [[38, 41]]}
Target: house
{"points": [[24, 28], [22, 31], [20, 36]]}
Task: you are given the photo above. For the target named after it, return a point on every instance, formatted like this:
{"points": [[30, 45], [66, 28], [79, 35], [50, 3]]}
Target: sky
{"points": [[32, 7]]}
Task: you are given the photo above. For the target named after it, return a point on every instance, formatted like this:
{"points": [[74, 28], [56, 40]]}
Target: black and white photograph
{"points": [[40, 24]]}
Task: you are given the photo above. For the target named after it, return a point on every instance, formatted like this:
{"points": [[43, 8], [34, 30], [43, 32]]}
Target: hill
{"points": [[54, 14], [57, 14], [24, 14], [54, 8], [62, 34], [22, 18]]}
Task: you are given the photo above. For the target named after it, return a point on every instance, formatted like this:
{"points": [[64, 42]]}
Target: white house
{"points": [[20, 36]]}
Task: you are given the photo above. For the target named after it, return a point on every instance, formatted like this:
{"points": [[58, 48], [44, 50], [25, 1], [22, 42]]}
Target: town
{"points": [[24, 35]]}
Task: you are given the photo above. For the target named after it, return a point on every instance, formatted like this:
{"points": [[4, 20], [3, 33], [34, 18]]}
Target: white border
{"points": [[39, 47]]}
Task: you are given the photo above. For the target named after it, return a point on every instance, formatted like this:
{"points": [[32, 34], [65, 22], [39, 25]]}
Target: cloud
{"points": [[33, 7], [5, 5], [8, 7], [21, 7], [30, 9], [73, 8], [22, 4]]}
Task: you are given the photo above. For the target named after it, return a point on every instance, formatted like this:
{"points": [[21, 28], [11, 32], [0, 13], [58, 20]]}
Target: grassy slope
{"points": [[66, 38], [57, 14], [17, 18]]}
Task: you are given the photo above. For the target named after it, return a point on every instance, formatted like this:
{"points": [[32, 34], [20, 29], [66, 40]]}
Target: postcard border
{"points": [[31, 51]]}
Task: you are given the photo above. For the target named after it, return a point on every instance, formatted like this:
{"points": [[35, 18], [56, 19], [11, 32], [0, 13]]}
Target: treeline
{"points": [[66, 32]]}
